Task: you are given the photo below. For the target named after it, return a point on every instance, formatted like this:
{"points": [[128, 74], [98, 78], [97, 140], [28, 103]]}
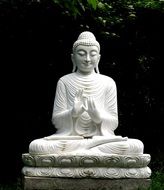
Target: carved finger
{"points": [[81, 94], [89, 103], [93, 104], [77, 96]]}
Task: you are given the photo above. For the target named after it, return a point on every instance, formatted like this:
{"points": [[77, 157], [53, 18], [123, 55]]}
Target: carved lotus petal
{"points": [[45, 161], [89, 161], [66, 172], [86, 172], [111, 173], [130, 161], [65, 161], [112, 161], [28, 160]]}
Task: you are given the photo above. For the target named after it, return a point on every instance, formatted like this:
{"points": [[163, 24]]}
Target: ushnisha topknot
{"points": [[86, 38]]}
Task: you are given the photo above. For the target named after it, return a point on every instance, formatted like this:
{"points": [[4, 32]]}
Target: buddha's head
{"points": [[86, 53]]}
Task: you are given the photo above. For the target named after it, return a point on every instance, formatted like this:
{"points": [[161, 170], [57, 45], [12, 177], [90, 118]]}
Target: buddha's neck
{"points": [[85, 74]]}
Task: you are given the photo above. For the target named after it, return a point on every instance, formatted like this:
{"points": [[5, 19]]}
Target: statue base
{"points": [[50, 183], [87, 166]]}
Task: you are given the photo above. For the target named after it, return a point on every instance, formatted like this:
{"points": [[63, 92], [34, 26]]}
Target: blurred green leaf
{"points": [[93, 3]]}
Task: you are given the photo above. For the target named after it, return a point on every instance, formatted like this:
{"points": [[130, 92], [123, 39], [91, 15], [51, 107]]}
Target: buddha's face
{"points": [[86, 58]]}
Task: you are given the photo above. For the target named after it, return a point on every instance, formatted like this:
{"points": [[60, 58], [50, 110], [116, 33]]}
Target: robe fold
{"points": [[102, 89]]}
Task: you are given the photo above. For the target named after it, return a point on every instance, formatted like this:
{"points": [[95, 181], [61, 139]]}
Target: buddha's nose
{"points": [[88, 59]]}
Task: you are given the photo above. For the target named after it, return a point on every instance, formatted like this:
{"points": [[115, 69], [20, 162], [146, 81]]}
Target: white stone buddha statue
{"points": [[85, 109], [85, 116]]}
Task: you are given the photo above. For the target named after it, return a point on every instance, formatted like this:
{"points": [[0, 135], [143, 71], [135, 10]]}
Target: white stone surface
{"points": [[85, 116], [105, 172], [85, 106], [100, 146], [86, 160]]}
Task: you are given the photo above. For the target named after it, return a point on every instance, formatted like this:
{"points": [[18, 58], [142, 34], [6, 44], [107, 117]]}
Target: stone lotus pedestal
{"points": [[87, 171]]}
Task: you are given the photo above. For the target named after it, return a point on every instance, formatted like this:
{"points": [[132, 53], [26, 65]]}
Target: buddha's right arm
{"points": [[63, 122], [61, 116]]}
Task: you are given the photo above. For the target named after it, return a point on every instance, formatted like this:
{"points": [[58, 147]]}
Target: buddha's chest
{"points": [[95, 90]]}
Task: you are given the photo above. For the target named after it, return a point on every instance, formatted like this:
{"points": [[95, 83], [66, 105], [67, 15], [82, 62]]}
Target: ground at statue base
{"points": [[46, 183]]}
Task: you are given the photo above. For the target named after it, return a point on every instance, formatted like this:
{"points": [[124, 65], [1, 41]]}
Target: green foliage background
{"points": [[36, 39]]}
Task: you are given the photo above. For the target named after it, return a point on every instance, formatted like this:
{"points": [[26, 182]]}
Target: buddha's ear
{"points": [[97, 65], [74, 64], [99, 58], [72, 58]]}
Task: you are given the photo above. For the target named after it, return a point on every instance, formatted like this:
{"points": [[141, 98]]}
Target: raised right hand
{"points": [[78, 107]]}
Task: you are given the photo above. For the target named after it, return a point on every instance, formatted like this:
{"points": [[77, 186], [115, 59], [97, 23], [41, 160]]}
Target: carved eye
{"points": [[81, 53], [93, 53]]}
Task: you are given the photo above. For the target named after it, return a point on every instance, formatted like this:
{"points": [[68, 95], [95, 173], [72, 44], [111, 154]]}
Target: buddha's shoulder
{"points": [[66, 77], [105, 79]]}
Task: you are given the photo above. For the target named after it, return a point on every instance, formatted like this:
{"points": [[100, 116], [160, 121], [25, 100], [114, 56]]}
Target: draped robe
{"points": [[95, 138], [102, 89]]}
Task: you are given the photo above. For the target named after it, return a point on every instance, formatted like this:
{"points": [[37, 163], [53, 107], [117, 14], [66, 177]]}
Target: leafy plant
{"points": [[157, 181]]}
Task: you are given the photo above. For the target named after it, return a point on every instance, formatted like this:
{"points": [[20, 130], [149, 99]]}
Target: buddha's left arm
{"points": [[109, 116]]}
